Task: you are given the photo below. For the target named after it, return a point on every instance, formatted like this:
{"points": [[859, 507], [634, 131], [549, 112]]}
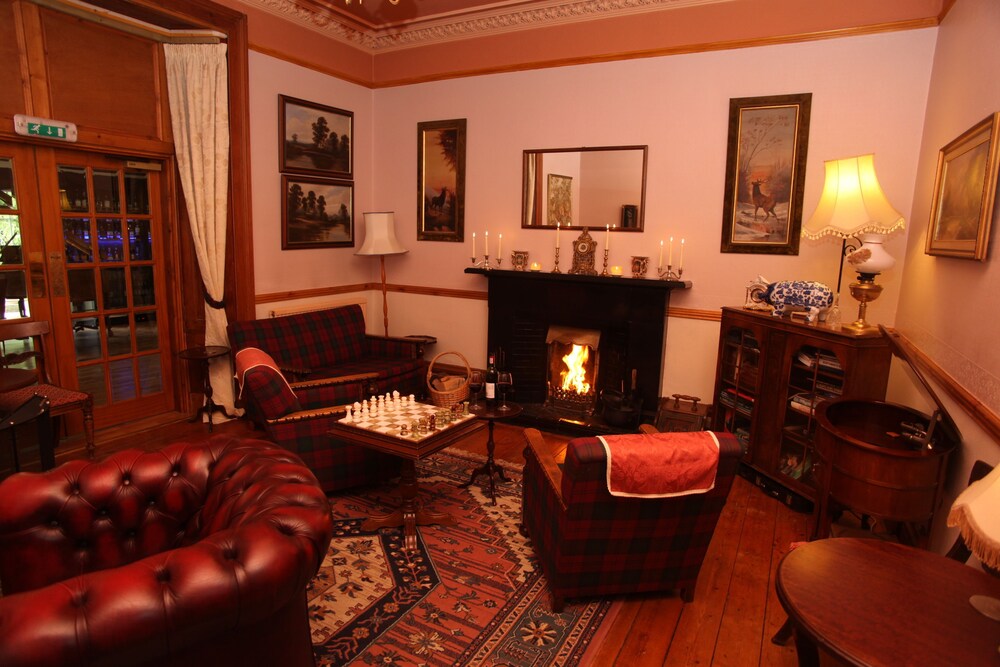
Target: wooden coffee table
{"points": [[870, 602], [411, 512]]}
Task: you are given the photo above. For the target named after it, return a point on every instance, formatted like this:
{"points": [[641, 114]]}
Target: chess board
{"points": [[390, 422]]}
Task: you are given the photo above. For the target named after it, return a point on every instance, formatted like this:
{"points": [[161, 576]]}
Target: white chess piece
{"points": [[347, 417]]}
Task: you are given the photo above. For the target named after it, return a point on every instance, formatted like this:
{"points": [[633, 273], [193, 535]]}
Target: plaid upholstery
{"points": [[332, 343], [263, 388], [591, 543]]}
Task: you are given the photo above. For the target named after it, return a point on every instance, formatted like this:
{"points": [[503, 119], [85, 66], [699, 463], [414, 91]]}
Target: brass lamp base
{"points": [[864, 290]]}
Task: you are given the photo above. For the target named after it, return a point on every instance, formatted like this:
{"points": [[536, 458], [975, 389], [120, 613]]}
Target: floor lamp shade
{"points": [[380, 235]]}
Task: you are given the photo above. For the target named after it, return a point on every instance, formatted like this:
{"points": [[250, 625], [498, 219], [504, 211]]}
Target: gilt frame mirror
{"points": [[590, 187]]}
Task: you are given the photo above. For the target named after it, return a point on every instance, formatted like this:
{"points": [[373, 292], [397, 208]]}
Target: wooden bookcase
{"points": [[771, 373]]}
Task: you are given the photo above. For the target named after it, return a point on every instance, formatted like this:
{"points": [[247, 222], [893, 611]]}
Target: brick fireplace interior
{"points": [[534, 319]]}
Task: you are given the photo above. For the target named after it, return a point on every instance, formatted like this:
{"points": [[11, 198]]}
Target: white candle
{"points": [[607, 236], [473, 244], [680, 263], [558, 224], [660, 263], [499, 246], [670, 253], [486, 243]]}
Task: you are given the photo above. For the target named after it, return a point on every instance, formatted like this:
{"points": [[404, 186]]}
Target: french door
{"points": [[82, 239]]}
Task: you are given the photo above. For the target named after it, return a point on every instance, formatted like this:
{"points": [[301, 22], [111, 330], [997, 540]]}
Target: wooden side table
{"points": [[490, 468], [203, 355], [876, 603]]}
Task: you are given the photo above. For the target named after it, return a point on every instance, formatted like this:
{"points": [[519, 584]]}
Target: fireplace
{"points": [[624, 318], [573, 360]]}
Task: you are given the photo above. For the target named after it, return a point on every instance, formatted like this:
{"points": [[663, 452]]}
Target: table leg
{"points": [[410, 512], [210, 405], [490, 468]]}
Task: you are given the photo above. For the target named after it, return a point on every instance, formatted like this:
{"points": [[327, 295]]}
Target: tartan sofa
{"points": [[297, 416], [332, 343], [590, 543]]}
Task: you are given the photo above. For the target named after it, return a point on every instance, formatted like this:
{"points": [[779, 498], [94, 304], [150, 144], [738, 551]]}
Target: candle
{"points": [[660, 263], [558, 223], [607, 236], [499, 246], [486, 243], [670, 253], [680, 263], [473, 245], [616, 270], [535, 266]]}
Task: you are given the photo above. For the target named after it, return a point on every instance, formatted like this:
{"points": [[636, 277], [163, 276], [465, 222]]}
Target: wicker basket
{"points": [[444, 399]]}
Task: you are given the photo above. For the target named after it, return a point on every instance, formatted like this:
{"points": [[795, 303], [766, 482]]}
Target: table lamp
{"points": [[976, 512], [854, 206], [380, 239]]}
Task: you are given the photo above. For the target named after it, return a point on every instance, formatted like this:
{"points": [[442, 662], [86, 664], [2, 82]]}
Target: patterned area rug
{"points": [[470, 595]]}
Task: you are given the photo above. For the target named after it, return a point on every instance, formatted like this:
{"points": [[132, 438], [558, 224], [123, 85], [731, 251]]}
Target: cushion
{"points": [[268, 388]]}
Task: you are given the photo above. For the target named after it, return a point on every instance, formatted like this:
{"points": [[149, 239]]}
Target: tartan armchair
{"points": [[297, 416], [590, 543]]}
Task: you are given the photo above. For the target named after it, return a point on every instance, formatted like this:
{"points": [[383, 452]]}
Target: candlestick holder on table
{"points": [[604, 271], [669, 273], [485, 262], [555, 269]]}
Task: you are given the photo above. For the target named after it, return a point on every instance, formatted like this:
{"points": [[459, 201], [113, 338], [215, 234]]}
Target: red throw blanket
{"points": [[250, 357], [661, 465]]}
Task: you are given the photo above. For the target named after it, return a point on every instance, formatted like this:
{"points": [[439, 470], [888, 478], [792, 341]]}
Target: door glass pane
{"points": [[82, 290], [76, 234], [73, 188], [10, 238], [150, 375], [143, 292], [119, 335], [122, 380], [86, 339], [113, 288], [8, 199], [147, 334], [136, 194], [109, 239], [91, 379], [106, 195], [139, 240], [13, 294]]}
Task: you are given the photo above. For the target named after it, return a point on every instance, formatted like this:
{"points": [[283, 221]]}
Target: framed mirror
{"points": [[584, 187]]}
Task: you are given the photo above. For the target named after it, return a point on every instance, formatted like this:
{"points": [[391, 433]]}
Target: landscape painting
{"points": [[315, 139], [441, 180], [765, 174], [317, 214]]}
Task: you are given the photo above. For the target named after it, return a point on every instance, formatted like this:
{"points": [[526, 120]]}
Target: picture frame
{"points": [[315, 139], [559, 200], [964, 193], [317, 213], [765, 174], [441, 180], [630, 216]]}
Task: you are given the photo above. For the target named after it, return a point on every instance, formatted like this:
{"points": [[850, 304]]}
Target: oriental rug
{"points": [[471, 593]]}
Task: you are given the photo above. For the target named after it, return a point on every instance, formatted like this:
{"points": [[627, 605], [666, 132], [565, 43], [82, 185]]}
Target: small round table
{"points": [[204, 354], [490, 468]]}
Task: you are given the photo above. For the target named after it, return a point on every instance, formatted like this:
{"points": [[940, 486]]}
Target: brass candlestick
{"points": [[555, 269], [604, 272], [670, 274]]}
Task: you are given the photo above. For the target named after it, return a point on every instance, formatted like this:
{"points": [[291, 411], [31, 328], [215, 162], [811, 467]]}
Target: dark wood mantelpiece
{"points": [[630, 313]]}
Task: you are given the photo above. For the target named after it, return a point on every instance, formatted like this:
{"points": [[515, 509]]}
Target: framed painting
{"points": [[315, 139], [964, 191], [317, 213], [441, 180], [765, 174], [559, 200]]}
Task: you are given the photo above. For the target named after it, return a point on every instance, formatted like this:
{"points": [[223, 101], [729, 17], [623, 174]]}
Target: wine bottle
{"points": [[491, 381]]}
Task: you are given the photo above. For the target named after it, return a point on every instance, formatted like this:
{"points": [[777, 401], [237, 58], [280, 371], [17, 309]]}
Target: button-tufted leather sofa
{"points": [[197, 554]]}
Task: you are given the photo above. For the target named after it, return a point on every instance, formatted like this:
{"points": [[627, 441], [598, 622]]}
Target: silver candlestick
{"points": [[670, 274]]}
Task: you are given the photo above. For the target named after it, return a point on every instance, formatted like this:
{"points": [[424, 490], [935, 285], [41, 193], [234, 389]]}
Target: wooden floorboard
{"points": [[735, 610]]}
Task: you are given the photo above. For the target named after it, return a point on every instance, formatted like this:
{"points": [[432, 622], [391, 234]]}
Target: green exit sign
{"points": [[32, 126]]}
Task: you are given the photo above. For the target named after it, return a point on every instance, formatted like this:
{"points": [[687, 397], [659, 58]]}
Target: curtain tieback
{"points": [[218, 305]]}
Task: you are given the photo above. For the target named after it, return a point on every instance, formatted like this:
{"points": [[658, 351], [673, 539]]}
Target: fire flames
{"points": [[574, 378]]}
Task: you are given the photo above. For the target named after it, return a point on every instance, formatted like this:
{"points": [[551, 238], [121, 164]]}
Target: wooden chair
{"points": [[61, 400], [35, 409]]}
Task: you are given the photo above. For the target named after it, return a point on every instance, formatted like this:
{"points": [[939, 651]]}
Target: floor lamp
{"points": [[853, 206], [976, 514], [380, 239]]}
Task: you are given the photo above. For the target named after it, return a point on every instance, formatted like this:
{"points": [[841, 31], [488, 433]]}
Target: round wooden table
{"points": [[491, 413], [871, 602]]}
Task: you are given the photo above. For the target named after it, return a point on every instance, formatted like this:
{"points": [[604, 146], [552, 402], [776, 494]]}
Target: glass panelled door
{"points": [[98, 231]]}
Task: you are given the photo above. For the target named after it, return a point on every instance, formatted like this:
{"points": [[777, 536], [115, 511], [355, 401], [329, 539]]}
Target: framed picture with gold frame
{"points": [[964, 192], [441, 180]]}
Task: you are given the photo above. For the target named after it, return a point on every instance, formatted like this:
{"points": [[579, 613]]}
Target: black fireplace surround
{"points": [[630, 314]]}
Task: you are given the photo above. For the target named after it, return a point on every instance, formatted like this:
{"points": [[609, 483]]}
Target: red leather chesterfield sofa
{"points": [[591, 543], [198, 554]]}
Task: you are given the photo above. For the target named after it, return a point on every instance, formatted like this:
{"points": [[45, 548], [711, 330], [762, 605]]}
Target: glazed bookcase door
{"points": [[739, 374]]}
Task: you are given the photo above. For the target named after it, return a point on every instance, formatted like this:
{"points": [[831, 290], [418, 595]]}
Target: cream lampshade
{"points": [[380, 240], [853, 205], [976, 512]]}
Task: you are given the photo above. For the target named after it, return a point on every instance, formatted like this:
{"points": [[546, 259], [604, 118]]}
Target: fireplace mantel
{"points": [[631, 313]]}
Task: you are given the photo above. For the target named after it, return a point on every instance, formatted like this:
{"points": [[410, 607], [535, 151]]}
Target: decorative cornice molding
{"points": [[452, 28]]}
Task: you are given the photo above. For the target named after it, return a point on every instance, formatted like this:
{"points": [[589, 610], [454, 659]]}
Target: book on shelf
{"points": [[733, 399], [824, 359]]}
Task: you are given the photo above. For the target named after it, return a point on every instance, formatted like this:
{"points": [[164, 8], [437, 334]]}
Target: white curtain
{"points": [[198, 88]]}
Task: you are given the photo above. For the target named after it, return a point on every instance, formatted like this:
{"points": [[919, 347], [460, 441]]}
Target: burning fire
{"points": [[574, 378]]}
